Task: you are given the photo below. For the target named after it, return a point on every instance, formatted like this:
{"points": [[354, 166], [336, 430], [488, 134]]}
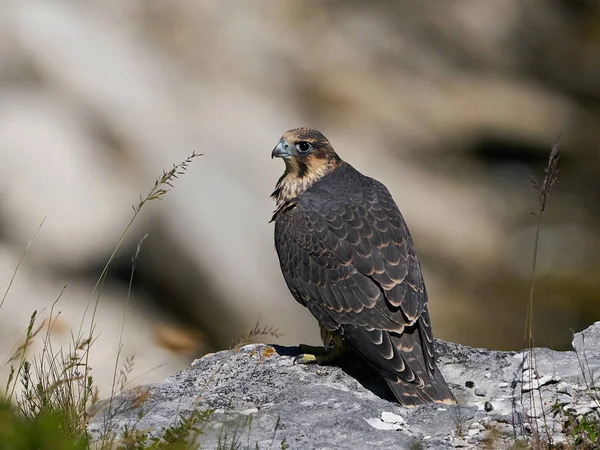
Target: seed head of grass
{"points": [[256, 331], [551, 175]]}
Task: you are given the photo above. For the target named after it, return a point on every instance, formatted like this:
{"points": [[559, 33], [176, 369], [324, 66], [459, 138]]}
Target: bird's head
{"points": [[307, 153], [308, 157]]}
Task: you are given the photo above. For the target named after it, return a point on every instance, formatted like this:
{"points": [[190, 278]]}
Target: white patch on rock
{"points": [[379, 424], [389, 417]]}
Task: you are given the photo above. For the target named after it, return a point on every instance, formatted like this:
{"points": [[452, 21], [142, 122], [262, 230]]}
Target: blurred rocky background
{"points": [[453, 104]]}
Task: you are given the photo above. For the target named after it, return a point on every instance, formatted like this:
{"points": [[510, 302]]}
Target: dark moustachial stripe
{"points": [[302, 169]]}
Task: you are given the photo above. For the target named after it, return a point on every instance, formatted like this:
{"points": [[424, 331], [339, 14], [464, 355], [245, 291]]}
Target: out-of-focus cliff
{"points": [[452, 104]]}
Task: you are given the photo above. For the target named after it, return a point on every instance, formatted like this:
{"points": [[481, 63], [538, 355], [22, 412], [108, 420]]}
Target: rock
{"points": [[347, 406], [255, 376], [583, 410], [564, 388], [538, 382], [480, 392], [459, 443]]}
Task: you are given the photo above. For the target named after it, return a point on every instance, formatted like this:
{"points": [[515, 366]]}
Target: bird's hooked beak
{"points": [[283, 150]]}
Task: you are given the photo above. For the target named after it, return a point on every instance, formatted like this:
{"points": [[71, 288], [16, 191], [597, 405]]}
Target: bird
{"points": [[347, 255]]}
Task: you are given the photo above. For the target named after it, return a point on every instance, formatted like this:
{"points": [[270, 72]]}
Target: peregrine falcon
{"points": [[347, 255]]}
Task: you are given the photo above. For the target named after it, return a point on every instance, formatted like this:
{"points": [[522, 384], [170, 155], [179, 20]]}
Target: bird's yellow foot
{"points": [[316, 355]]}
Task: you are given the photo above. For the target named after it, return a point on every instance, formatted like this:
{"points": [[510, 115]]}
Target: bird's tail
{"points": [[429, 385], [409, 394]]}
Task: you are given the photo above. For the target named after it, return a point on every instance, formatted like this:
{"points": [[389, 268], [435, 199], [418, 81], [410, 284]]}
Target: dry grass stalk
{"points": [[551, 178], [59, 381]]}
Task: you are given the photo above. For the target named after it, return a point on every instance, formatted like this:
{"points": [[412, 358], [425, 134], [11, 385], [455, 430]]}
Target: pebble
{"points": [[470, 384], [487, 421], [503, 385], [458, 442], [480, 392], [488, 406]]}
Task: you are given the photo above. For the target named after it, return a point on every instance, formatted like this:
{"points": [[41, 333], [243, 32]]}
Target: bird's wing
{"points": [[350, 259]]}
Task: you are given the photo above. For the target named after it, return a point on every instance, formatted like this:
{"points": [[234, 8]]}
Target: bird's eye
{"points": [[303, 146]]}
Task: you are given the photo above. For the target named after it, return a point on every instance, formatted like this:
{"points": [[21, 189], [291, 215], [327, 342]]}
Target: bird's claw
{"points": [[315, 355]]}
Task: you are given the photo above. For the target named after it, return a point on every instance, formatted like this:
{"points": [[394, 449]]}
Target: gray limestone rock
{"points": [[260, 399]]}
